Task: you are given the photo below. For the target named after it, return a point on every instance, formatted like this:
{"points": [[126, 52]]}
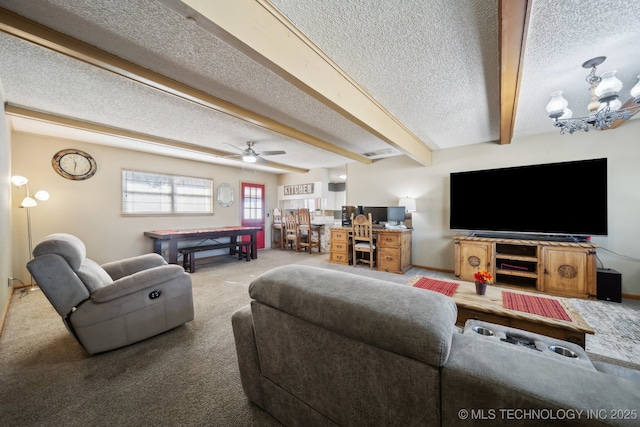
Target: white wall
{"points": [[90, 209], [432, 238], [5, 213]]}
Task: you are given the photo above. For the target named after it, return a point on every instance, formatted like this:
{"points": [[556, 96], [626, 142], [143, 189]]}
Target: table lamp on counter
{"points": [[409, 204]]}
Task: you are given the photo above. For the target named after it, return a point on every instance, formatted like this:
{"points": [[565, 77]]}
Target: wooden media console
{"points": [[554, 267]]}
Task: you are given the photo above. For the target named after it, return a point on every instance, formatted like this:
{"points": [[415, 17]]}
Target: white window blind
{"points": [[154, 193]]}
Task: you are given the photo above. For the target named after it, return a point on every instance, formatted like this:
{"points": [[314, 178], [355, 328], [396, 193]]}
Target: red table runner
{"points": [[541, 306], [446, 288]]}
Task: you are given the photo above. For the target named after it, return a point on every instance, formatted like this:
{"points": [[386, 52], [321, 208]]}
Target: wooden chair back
{"points": [[307, 235], [362, 228], [291, 231], [363, 239], [277, 216]]}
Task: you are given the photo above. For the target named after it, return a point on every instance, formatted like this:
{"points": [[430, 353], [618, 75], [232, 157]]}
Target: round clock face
{"points": [[74, 164]]}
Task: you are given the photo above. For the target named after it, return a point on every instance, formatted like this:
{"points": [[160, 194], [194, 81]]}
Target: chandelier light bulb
{"points": [[613, 105], [557, 105], [609, 86], [635, 91], [567, 114]]}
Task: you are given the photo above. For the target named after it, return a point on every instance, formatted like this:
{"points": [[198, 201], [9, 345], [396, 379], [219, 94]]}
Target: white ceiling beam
{"points": [[258, 29], [27, 113]]}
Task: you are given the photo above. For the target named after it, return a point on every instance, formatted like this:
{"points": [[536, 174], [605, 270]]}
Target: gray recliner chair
{"points": [[112, 305]]}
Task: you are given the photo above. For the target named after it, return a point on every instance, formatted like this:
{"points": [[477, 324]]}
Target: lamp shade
{"points": [[28, 202], [249, 159], [42, 195], [635, 91], [409, 203], [18, 180], [609, 86], [557, 104]]}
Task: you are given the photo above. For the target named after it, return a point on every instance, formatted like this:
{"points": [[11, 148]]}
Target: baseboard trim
{"points": [[5, 312], [631, 296], [439, 270]]}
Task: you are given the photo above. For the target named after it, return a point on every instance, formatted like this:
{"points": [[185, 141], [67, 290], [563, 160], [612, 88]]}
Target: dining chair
{"points": [[291, 232], [363, 240], [309, 237]]}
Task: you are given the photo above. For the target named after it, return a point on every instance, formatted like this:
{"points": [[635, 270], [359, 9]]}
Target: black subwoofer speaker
{"points": [[609, 285]]}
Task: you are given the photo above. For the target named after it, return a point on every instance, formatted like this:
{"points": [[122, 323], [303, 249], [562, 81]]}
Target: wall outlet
{"points": [[10, 281]]}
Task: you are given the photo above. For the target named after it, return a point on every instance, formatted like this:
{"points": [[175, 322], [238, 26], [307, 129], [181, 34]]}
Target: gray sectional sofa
{"points": [[320, 347]]}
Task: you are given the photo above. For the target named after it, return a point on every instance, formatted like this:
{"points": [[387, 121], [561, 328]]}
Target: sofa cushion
{"points": [[93, 276], [402, 319]]}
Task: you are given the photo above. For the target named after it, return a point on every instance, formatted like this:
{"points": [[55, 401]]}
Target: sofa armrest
{"points": [[136, 282], [129, 266], [619, 371], [493, 379], [248, 360]]}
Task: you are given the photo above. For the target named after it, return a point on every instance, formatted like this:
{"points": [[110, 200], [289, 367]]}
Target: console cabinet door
{"points": [[565, 271], [471, 257]]}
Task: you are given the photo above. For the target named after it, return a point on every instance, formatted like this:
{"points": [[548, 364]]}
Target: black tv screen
{"points": [[567, 198]]}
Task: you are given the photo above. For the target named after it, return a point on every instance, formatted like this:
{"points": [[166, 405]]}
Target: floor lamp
{"points": [[29, 202]]}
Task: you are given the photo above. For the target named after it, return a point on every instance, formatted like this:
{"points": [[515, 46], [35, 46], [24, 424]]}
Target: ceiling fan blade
{"points": [[234, 147], [271, 153]]}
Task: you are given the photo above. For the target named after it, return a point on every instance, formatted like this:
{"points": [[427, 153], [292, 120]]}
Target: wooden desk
{"points": [[173, 237], [393, 248]]}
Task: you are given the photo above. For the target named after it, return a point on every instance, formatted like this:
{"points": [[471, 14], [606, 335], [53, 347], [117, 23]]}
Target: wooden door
{"points": [[253, 212]]}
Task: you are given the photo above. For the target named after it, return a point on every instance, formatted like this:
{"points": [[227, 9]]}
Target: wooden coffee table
{"points": [[489, 308]]}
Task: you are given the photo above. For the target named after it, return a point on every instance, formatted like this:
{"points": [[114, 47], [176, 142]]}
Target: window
{"points": [[253, 201], [153, 193]]}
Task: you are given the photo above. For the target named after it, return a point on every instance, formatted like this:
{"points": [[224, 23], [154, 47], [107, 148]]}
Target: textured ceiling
{"points": [[421, 59], [433, 65]]}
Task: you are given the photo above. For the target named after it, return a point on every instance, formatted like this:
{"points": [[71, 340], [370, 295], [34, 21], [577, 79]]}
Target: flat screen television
{"points": [[567, 198]]}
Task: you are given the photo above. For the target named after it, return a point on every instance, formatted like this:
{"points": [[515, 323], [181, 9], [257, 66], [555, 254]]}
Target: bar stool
{"points": [[277, 234], [309, 237]]}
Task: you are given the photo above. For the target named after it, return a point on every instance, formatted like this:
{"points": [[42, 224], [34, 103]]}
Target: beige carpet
{"points": [[187, 376]]}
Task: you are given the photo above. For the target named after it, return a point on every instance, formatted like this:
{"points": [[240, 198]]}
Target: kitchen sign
{"points": [[298, 189]]}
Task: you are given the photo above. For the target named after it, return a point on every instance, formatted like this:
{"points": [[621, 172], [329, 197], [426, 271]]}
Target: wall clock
{"points": [[74, 164]]}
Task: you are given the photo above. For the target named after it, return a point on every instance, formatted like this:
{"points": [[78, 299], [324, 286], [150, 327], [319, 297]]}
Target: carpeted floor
{"points": [[187, 376]]}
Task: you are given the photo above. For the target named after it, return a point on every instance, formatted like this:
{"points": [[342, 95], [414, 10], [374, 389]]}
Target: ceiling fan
{"points": [[249, 155]]}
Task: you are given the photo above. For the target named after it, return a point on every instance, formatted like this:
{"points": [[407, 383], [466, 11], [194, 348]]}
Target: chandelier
{"points": [[604, 108]]}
